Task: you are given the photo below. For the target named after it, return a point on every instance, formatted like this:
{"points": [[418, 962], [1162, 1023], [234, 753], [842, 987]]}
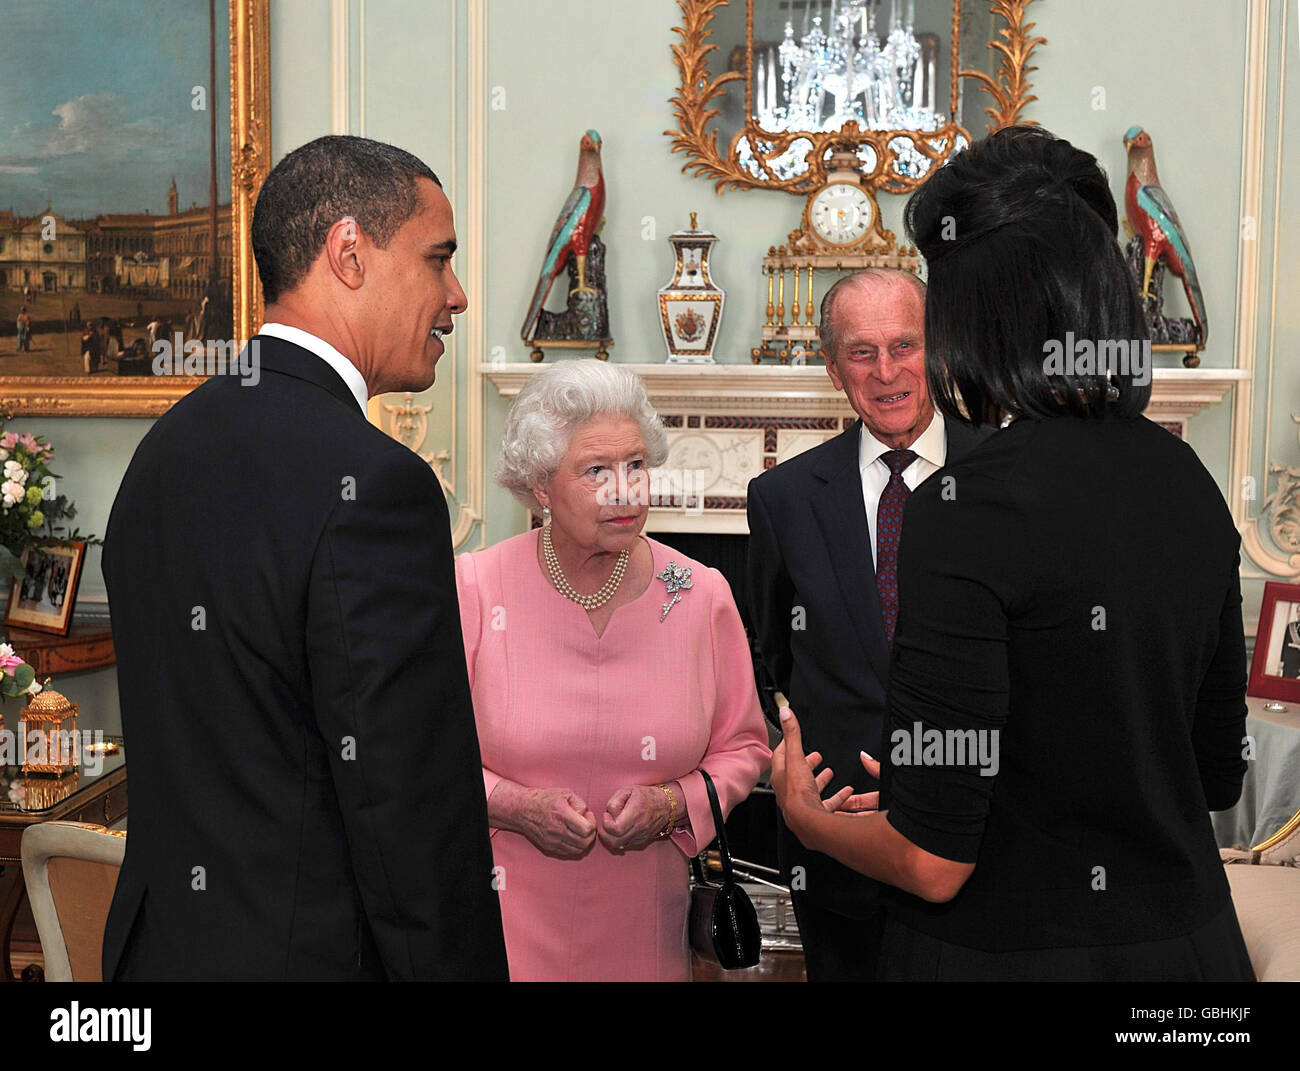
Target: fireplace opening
{"points": [[751, 826]]}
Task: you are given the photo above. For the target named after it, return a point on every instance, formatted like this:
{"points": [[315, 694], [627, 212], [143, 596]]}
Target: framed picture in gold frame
{"points": [[43, 599], [139, 138]]}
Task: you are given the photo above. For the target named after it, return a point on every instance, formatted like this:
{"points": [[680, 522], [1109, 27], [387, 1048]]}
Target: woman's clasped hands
{"points": [[560, 824]]}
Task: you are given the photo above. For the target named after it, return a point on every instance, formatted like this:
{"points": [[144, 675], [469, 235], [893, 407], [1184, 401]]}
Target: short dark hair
{"points": [[319, 184], [826, 328], [1019, 232]]}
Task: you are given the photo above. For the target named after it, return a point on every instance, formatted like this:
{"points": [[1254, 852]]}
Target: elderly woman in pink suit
{"points": [[607, 671]]}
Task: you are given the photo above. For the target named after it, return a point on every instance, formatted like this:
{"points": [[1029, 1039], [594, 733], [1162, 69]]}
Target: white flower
{"points": [[33, 688], [4, 454], [6, 651]]}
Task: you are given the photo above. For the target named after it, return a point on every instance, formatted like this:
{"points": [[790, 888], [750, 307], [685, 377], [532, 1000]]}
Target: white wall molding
{"points": [[340, 88], [1272, 562], [473, 504], [403, 415], [361, 67]]}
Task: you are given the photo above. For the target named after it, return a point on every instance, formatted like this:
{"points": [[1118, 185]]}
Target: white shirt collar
{"points": [[931, 445], [347, 371]]}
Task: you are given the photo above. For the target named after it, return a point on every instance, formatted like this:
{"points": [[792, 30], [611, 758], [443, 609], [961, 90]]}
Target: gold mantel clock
{"points": [[841, 231]]}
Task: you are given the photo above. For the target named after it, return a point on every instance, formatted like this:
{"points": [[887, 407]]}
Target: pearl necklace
{"points": [[596, 599]]}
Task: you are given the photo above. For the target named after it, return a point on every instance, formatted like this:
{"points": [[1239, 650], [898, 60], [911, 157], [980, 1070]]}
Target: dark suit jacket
{"points": [[306, 800], [810, 565]]}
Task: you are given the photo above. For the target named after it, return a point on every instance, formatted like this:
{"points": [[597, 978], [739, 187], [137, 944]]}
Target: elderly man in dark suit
{"points": [[306, 791], [823, 594]]}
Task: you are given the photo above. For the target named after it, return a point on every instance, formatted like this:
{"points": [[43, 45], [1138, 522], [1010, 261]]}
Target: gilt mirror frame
{"points": [[250, 162], [1009, 88]]}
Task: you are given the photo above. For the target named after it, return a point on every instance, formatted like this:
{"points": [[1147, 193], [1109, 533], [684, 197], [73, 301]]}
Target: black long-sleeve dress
{"points": [[1066, 707]]}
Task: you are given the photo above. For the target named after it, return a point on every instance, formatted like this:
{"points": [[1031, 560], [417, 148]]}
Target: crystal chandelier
{"points": [[847, 73]]}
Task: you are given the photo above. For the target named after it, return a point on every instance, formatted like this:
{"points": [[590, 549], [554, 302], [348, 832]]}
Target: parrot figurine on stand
{"points": [[576, 246], [1158, 240]]}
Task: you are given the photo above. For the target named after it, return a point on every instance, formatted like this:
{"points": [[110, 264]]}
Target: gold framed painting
{"points": [[135, 141]]}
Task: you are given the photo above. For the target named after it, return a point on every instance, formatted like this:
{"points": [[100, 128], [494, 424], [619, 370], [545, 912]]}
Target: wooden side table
{"points": [[100, 799], [88, 645]]}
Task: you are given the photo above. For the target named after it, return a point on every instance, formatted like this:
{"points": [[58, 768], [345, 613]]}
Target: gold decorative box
{"points": [[48, 729], [42, 793]]}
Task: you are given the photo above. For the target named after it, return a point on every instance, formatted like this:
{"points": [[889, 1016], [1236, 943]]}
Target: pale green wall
{"points": [[555, 92], [1175, 66], [1108, 51]]}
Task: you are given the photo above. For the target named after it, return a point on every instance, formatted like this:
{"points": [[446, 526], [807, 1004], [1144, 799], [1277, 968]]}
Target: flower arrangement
{"points": [[13, 788], [16, 678], [27, 516]]}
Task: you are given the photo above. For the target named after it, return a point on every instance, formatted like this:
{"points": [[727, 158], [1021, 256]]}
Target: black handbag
{"points": [[724, 925]]}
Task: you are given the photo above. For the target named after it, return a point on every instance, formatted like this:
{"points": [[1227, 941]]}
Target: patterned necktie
{"points": [[889, 525]]}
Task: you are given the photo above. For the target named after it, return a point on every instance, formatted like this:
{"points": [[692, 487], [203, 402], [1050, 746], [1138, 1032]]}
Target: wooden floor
{"points": [[773, 967]]}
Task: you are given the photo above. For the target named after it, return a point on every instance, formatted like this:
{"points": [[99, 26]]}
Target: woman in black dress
{"points": [[1068, 680]]}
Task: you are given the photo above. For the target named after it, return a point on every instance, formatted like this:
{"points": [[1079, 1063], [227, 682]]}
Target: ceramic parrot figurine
{"points": [[578, 221], [1152, 218]]}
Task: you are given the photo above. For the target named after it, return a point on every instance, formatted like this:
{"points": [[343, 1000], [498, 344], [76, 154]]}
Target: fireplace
{"points": [[727, 423]]}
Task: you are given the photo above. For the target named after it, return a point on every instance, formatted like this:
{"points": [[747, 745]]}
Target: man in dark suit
{"points": [[823, 546], [306, 791]]}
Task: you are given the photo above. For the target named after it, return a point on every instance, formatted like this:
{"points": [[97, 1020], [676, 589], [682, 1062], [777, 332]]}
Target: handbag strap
{"points": [[720, 826]]}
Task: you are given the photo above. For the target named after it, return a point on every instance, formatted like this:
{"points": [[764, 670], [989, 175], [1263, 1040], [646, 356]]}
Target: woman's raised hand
{"points": [[863, 802], [837, 801]]}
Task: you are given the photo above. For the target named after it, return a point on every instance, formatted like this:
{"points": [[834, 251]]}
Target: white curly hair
{"points": [[554, 404]]}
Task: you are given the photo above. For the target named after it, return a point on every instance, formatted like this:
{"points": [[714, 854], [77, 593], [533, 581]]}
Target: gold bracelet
{"points": [[667, 830]]}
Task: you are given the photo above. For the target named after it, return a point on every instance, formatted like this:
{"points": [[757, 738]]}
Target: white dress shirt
{"points": [[345, 368], [931, 449]]}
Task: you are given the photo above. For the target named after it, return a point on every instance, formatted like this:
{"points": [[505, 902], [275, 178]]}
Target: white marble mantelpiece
{"points": [[729, 422]]}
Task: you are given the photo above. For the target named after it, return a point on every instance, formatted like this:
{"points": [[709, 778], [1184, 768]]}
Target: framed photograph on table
{"points": [[43, 599], [134, 141], [1275, 669]]}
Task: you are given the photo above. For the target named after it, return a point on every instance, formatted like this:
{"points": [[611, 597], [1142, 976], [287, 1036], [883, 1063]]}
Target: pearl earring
{"points": [[546, 514]]}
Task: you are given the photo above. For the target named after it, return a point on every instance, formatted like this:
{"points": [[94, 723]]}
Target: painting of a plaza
{"points": [[114, 184]]}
